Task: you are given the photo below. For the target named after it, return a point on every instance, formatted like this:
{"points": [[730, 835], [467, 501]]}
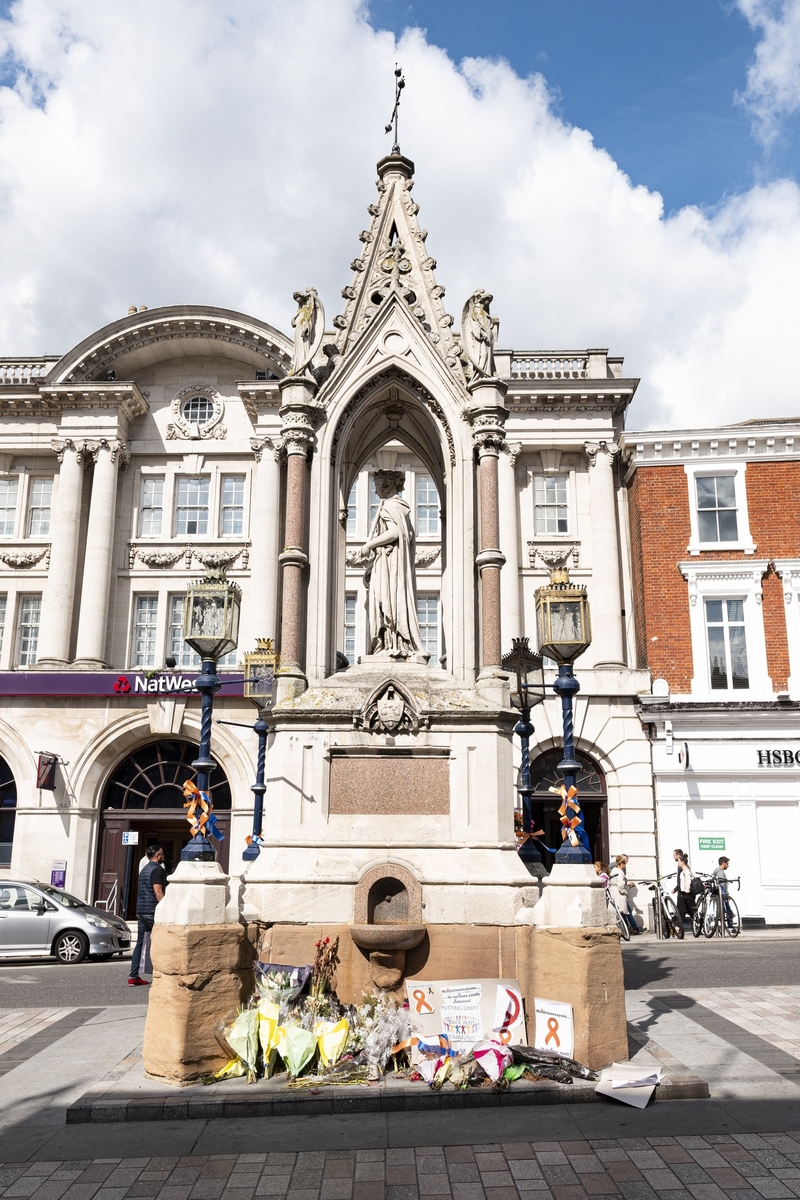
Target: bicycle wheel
{"points": [[733, 924], [697, 917], [672, 919], [711, 917], [622, 925]]}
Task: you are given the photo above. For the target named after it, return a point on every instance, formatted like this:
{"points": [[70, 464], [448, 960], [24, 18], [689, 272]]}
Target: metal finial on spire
{"points": [[399, 84]]}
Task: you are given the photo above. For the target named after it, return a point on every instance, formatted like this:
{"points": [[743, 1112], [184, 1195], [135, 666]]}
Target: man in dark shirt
{"points": [[152, 882]]}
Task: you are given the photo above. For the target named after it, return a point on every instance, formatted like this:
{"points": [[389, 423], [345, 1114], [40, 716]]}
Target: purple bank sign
{"points": [[129, 686]]}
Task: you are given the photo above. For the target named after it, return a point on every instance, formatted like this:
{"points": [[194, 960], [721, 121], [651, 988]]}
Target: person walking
{"points": [[152, 885], [618, 883], [683, 888]]}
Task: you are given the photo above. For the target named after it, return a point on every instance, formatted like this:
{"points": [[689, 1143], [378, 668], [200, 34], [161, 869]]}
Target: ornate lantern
{"points": [[529, 670], [211, 615], [562, 618], [260, 666]]}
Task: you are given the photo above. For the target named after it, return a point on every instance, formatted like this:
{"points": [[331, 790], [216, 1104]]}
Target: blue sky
{"points": [[653, 81]]}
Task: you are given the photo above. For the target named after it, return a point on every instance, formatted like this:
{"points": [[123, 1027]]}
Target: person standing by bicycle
{"points": [[720, 877], [618, 885], [683, 888]]}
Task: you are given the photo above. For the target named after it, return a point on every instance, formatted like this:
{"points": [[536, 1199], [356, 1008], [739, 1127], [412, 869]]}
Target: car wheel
{"points": [[71, 947]]}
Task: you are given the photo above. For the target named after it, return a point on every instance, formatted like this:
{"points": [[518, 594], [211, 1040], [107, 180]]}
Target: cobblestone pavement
{"points": [[678, 1168]]}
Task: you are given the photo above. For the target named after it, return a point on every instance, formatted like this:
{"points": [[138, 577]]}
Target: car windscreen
{"points": [[64, 897]]}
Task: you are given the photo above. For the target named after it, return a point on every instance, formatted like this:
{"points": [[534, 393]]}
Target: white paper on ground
{"points": [[628, 1083]]}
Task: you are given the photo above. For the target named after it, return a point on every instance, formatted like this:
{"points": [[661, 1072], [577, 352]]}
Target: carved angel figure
{"points": [[393, 623], [309, 325], [477, 332]]}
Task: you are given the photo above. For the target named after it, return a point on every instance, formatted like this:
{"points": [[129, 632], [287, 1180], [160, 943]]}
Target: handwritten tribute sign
{"points": [[555, 1028], [465, 1011]]}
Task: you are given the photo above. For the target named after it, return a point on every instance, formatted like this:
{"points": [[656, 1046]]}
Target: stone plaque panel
{"points": [[391, 785]]}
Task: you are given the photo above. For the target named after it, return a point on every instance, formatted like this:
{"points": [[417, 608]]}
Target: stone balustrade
{"points": [[540, 364], [25, 370]]}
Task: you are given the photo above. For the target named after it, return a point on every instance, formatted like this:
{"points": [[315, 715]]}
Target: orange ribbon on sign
{"points": [[422, 1003], [568, 823], [552, 1025]]}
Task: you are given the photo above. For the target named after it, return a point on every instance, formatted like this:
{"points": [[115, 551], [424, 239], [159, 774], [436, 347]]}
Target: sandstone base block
{"points": [[581, 967], [446, 952], [201, 974]]}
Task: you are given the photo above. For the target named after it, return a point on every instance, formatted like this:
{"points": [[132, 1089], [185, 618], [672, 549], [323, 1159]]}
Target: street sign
{"points": [[710, 843], [130, 837]]}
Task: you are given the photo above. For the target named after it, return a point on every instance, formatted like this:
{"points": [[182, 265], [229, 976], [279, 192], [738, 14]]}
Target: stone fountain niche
{"points": [[387, 921]]}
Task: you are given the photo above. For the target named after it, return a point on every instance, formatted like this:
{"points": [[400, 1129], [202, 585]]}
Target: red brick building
{"points": [[715, 550]]}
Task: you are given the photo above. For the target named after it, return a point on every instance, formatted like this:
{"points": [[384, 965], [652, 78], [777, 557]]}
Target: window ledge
{"points": [[696, 548]]}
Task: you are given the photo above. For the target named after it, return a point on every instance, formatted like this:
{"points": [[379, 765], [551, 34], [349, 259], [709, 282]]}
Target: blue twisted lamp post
{"points": [[528, 669], [211, 628], [562, 619]]}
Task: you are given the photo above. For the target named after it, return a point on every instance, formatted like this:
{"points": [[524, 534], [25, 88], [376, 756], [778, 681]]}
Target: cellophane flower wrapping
{"points": [[240, 1038], [268, 1026], [494, 1057], [331, 1040], [296, 1047], [377, 1024], [280, 983]]}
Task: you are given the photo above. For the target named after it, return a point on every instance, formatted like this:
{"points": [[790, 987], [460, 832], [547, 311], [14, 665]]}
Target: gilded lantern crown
{"points": [[260, 666], [211, 615], [529, 670], [562, 618]]}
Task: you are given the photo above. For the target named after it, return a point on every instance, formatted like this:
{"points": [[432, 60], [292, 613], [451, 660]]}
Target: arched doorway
{"points": [[592, 798], [144, 795], [8, 812]]}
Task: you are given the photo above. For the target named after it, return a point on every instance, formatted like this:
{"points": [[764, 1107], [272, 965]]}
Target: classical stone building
{"points": [[716, 555], [189, 436]]}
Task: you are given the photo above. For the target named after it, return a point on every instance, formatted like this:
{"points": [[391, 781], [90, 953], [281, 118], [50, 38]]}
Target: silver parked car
{"points": [[37, 921]]}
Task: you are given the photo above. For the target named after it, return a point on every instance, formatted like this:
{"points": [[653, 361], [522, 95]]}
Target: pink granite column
{"points": [[490, 559], [297, 412]]}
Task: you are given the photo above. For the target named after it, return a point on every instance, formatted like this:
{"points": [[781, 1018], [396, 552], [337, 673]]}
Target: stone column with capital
{"points": [[108, 454], [261, 616], [605, 595], [487, 415], [511, 622], [298, 415], [58, 595]]}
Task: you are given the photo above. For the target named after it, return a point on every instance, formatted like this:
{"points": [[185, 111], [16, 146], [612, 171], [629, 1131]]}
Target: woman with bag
{"points": [[685, 892]]}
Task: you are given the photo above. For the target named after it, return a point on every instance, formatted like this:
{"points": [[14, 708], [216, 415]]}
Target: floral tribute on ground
{"points": [[295, 1024]]}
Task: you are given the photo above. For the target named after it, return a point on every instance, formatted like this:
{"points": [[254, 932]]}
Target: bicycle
{"points": [[707, 916], [667, 921], [621, 923]]}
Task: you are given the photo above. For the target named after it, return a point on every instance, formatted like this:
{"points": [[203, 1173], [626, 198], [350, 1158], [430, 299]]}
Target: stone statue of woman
{"points": [[393, 623], [477, 332], [309, 325]]}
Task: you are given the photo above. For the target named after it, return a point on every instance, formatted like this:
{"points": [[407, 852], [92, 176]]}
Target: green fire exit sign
{"points": [[711, 843]]}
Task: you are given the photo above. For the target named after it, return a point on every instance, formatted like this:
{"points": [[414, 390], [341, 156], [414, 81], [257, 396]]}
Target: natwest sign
{"points": [[126, 685]]}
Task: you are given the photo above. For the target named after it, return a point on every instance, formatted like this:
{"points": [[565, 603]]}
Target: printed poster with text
{"points": [[465, 1011]]}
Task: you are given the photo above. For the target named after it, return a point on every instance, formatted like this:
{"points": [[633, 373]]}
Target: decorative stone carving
{"points": [[21, 560], [593, 449], [156, 559], [258, 445], [478, 331], [554, 556], [393, 621], [425, 556], [390, 709], [218, 558], [180, 428], [309, 325]]}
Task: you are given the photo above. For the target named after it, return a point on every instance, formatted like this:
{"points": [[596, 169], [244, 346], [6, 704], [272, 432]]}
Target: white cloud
{"points": [[222, 152], [773, 78]]}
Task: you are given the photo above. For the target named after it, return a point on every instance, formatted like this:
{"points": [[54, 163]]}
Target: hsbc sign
{"points": [[127, 686]]}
